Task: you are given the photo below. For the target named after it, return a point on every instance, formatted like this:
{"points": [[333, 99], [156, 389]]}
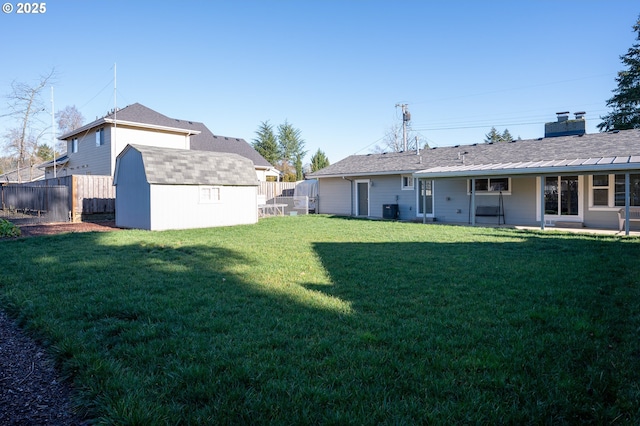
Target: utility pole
{"points": [[406, 117], [53, 135]]}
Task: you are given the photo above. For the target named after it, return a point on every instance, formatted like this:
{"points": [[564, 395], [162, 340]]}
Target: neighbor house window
{"points": [[209, 194], [74, 145], [407, 182], [491, 186], [100, 137]]}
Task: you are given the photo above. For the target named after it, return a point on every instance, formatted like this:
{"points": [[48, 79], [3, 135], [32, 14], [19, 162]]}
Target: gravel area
{"points": [[31, 392]]}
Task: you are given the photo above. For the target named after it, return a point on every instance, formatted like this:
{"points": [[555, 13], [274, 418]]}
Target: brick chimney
{"points": [[566, 127]]}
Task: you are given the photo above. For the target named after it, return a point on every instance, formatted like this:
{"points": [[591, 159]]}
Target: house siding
{"points": [[90, 159], [135, 136], [452, 202], [100, 160], [336, 196]]}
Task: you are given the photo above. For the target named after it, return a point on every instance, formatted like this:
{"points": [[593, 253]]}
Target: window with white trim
{"points": [[100, 137], [209, 194], [607, 191], [600, 190], [407, 182], [74, 145], [491, 185]]}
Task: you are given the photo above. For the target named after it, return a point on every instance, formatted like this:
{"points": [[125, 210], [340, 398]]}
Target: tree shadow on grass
{"points": [[538, 326], [156, 330]]}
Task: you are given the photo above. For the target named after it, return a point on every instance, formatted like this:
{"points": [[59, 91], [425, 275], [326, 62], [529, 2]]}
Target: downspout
{"points": [[351, 185]]}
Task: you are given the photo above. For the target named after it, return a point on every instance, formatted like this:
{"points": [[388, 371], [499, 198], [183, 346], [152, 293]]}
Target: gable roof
{"points": [[587, 150], [136, 115], [169, 166], [202, 139]]}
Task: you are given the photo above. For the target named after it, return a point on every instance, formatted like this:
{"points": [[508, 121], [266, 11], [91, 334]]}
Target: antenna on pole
{"points": [[406, 117], [53, 135], [115, 114]]}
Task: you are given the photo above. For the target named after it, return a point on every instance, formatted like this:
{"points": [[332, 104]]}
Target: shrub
{"points": [[8, 229]]}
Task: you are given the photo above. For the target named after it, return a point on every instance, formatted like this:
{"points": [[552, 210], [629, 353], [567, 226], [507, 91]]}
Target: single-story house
{"points": [[567, 178], [167, 188]]}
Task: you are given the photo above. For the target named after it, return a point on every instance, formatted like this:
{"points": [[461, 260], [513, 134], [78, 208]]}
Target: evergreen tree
{"points": [[626, 99], [319, 161], [506, 136], [493, 136], [266, 143], [292, 151]]}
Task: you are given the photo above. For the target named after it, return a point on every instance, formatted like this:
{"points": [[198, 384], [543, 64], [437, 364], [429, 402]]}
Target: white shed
{"points": [[164, 188]]}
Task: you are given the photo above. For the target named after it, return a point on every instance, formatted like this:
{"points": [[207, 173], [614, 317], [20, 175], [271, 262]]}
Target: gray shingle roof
{"points": [[187, 167], [596, 145], [205, 140]]}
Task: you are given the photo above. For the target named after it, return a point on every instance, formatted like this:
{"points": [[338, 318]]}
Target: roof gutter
{"points": [[363, 174], [527, 171], [102, 121]]}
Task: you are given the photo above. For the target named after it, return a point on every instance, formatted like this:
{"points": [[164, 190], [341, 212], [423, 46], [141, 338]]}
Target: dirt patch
{"points": [[61, 228], [31, 391]]}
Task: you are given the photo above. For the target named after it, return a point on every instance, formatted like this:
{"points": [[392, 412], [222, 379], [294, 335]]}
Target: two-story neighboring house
{"points": [[92, 149]]}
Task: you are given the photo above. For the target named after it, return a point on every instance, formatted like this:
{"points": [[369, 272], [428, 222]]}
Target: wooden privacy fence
{"points": [[276, 189], [90, 197], [34, 204]]}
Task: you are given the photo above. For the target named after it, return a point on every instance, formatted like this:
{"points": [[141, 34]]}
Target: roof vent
{"points": [[580, 115], [562, 116]]}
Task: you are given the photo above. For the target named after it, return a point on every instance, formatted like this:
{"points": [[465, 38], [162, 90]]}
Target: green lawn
{"points": [[300, 320]]}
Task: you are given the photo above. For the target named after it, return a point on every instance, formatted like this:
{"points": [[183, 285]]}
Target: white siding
{"points": [[131, 135], [179, 207]]}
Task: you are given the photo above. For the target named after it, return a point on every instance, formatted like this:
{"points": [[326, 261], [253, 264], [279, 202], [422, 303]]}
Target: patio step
{"points": [[564, 224]]}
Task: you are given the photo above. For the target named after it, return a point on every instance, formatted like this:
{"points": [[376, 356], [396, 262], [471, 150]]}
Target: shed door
{"points": [[363, 198]]}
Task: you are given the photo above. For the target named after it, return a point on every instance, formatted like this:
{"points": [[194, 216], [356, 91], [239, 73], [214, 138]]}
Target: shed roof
{"points": [[169, 166], [589, 150]]}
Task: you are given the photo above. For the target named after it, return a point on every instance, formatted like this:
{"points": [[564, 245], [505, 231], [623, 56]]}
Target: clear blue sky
{"points": [[333, 69]]}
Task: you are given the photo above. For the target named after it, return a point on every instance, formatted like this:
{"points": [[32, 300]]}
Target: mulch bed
{"points": [[60, 228]]}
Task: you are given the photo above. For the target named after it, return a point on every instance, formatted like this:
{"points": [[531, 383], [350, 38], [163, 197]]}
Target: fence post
{"points": [[74, 191]]}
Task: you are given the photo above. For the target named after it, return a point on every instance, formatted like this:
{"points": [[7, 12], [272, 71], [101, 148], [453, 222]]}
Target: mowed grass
{"points": [[321, 320]]}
